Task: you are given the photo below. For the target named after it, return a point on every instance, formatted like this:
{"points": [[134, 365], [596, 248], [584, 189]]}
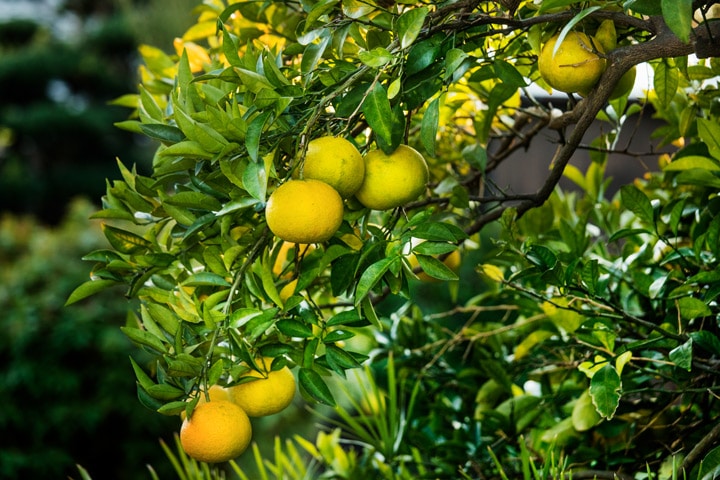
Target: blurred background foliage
{"points": [[68, 397]]}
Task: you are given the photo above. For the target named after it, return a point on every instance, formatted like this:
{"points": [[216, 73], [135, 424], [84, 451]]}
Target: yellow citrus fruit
{"points": [[575, 67], [288, 290], [270, 393], [625, 84], [304, 211], [392, 180], [335, 161], [216, 432], [286, 255], [216, 393]]}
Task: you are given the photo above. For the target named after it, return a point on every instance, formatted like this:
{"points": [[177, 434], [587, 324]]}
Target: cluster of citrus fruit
{"points": [[309, 207], [219, 427], [576, 64]]}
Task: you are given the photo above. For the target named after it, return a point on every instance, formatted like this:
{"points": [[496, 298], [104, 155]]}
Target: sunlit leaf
{"points": [[409, 25]]}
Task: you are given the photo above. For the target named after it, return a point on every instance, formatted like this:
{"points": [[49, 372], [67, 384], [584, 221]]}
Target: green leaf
{"points": [[375, 58], [348, 317], [340, 360], [709, 132], [143, 379], [541, 256], [144, 338], [409, 25], [254, 133], [164, 133], [691, 308], [429, 126], [124, 241], [435, 268], [665, 82], [86, 289], [605, 386], [678, 16], [371, 276], [709, 467], [707, 340], [644, 7], [508, 74], [164, 392], [254, 179], [206, 278], [313, 384], [378, 113], [693, 161], [186, 148], [682, 355], [637, 202], [584, 414], [294, 328]]}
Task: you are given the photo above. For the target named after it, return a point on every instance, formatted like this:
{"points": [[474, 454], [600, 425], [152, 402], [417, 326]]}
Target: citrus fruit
{"points": [[286, 255], [269, 392], [606, 35], [304, 211], [335, 161], [217, 431], [575, 67], [288, 290], [216, 393], [392, 180]]}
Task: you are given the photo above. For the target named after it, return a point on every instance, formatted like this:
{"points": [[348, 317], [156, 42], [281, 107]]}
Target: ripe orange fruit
{"points": [[392, 180], [216, 432], [335, 161], [304, 211], [270, 392], [575, 67]]}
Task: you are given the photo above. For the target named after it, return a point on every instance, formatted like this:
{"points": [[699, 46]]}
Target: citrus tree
{"points": [[585, 327]]}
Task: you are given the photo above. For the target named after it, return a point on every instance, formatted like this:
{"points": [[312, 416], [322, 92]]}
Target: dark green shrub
{"points": [[67, 395]]}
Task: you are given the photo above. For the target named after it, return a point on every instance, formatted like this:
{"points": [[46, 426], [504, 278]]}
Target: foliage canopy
{"points": [[591, 327]]}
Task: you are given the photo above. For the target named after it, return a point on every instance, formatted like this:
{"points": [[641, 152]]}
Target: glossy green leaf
{"points": [[605, 386], [410, 24], [378, 113], [682, 355], [637, 202], [435, 268], [313, 385], [294, 328], [164, 392], [371, 277], [124, 241], [89, 288], [707, 340], [144, 338]]}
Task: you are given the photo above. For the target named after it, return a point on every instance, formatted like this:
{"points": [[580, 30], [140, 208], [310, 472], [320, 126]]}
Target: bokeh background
{"points": [[65, 377]]}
